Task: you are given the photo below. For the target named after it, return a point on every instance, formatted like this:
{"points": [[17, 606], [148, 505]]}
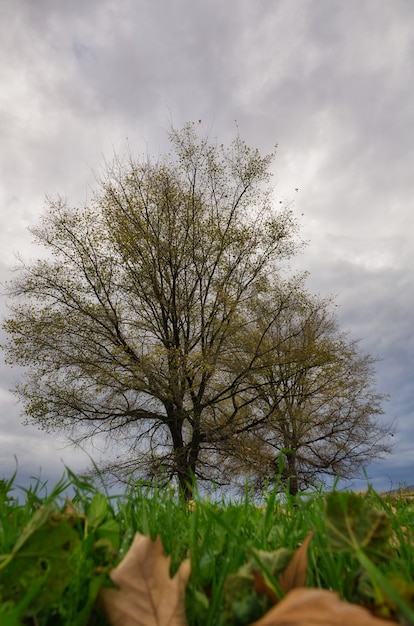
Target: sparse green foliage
{"points": [[314, 398]]}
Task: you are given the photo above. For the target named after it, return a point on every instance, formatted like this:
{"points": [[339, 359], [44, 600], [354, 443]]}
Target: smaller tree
{"points": [[316, 408]]}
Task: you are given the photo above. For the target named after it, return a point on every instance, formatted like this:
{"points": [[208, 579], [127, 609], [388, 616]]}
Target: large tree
{"points": [[316, 406], [130, 323], [159, 317]]}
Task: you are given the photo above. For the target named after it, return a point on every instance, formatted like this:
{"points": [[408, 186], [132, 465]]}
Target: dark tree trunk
{"points": [[185, 456], [186, 484], [290, 476]]}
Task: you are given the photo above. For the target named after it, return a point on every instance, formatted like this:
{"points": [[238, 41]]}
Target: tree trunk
{"points": [[186, 485], [183, 465], [290, 475]]}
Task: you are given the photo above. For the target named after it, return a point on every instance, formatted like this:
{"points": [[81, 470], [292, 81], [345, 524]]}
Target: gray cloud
{"points": [[331, 82]]}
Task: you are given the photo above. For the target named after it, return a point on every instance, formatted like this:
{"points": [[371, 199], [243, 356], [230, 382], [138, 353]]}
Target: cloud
{"points": [[331, 82]]}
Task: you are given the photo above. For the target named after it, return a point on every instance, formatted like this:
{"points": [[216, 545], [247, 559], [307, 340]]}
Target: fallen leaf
{"points": [[292, 577], [262, 588], [354, 521], [249, 593], [41, 558], [147, 596], [318, 607], [295, 574]]}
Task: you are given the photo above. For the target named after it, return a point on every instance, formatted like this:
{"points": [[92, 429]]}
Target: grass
{"points": [[54, 559]]}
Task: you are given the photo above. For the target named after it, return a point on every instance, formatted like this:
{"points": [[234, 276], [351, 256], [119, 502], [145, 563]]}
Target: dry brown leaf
{"points": [[318, 607], [292, 577], [147, 596], [261, 587], [295, 573]]}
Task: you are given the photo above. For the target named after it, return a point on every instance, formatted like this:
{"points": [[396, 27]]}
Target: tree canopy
{"points": [[160, 316], [316, 404]]}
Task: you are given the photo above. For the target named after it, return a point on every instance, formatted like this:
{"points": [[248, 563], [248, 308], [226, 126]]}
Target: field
{"points": [[230, 562]]}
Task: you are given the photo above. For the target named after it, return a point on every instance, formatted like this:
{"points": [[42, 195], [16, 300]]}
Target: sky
{"points": [[331, 82]]}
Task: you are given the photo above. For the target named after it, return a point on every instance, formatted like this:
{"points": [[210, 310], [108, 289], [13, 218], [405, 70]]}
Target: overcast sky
{"points": [[330, 81]]}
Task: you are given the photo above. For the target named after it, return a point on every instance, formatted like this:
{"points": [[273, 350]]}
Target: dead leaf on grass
{"points": [[295, 574], [318, 607], [261, 587], [292, 577], [147, 596]]}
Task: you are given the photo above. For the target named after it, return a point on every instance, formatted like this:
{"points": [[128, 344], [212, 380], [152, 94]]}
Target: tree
{"points": [[316, 406], [129, 325], [160, 318]]}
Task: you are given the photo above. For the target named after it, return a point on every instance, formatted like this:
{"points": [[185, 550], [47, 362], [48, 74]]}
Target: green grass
{"points": [[53, 561]]}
